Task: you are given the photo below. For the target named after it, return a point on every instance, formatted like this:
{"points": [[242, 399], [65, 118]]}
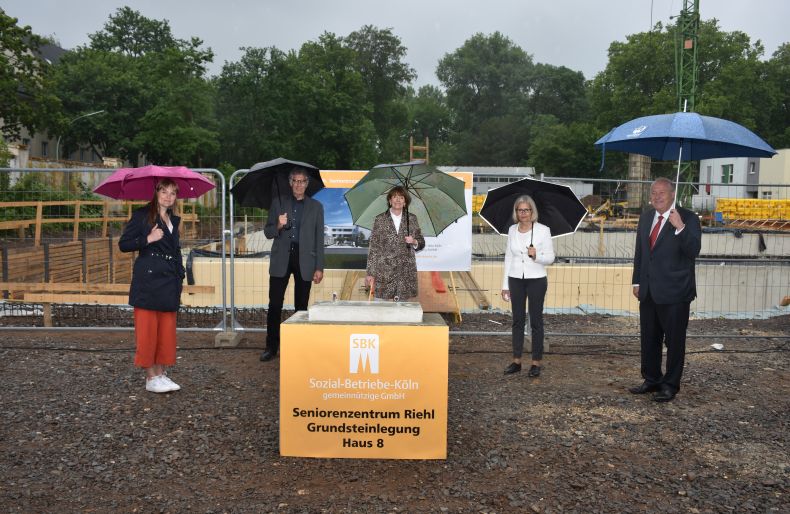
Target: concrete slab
{"points": [[361, 311]]}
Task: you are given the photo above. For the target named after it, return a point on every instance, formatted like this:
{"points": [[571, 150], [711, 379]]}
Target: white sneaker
{"points": [[172, 385], [157, 385]]}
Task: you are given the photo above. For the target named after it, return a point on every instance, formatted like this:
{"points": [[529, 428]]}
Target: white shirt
{"points": [[396, 220], [517, 261]]}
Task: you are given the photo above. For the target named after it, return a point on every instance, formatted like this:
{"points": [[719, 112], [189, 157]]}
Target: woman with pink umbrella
{"points": [[156, 286], [158, 273]]}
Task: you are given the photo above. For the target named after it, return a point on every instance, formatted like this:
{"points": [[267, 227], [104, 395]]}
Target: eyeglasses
{"points": [[297, 181], [523, 211]]}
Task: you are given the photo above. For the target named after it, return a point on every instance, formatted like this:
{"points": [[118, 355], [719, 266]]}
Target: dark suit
{"points": [[667, 286], [289, 256]]}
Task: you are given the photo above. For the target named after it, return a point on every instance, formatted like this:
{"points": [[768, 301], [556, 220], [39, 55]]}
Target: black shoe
{"points": [[534, 371], [643, 388], [513, 368], [665, 394], [267, 355]]}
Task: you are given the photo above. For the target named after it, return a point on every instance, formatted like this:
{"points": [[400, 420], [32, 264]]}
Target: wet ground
{"points": [[78, 432]]}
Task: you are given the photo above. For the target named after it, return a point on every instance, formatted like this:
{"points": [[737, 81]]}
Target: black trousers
{"points": [[661, 323], [277, 287], [534, 290]]}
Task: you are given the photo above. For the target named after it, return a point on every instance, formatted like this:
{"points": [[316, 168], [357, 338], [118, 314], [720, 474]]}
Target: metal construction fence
{"points": [[61, 266]]}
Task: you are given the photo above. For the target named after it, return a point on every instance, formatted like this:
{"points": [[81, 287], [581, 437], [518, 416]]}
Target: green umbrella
{"points": [[437, 199]]}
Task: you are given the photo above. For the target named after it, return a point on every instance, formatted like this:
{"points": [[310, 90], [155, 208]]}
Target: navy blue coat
{"points": [[158, 274], [667, 271]]}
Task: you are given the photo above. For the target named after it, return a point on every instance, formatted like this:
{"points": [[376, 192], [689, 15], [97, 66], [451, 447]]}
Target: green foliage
{"points": [[559, 92], [152, 88], [26, 99], [5, 155], [255, 102], [487, 77], [334, 128], [564, 150], [378, 57], [310, 106], [777, 78]]}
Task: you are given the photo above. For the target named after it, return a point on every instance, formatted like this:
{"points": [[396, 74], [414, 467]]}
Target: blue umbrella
{"points": [[685, 136]]}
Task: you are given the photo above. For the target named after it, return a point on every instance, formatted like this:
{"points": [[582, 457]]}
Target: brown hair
{"points": [[153, 207], [399, 190]]}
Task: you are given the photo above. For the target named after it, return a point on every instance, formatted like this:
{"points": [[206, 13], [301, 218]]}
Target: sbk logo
{"points": [[364, 353]]}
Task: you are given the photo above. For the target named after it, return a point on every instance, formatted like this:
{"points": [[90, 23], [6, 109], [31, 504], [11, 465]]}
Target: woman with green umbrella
{"points": [[396, 236]]}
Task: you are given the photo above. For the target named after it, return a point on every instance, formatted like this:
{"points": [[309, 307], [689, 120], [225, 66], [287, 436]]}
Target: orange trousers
{"points": [[155, 335]]}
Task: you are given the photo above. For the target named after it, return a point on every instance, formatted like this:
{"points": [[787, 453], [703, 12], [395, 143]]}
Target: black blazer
{"points": [[667, 272], [158, 274]]}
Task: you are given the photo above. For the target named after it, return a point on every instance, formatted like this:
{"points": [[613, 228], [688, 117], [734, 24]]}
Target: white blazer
{"points": [[517, 262]]}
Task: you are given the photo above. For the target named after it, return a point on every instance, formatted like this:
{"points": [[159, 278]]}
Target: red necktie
{"points": [[654, 233]]}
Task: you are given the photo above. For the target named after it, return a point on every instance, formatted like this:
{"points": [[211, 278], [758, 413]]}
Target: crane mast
{"points": [[686, 73]]}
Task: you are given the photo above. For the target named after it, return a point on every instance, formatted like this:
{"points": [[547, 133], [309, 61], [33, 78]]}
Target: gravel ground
{"points": [[79, 433]]}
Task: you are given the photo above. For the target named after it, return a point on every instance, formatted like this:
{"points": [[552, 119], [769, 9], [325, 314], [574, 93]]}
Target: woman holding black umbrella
{"points": [[529, 250]]}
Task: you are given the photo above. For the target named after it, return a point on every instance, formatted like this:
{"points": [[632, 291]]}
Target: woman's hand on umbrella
{"points": [[532, 252], [410, 240], [155, 235], [369, 281]]}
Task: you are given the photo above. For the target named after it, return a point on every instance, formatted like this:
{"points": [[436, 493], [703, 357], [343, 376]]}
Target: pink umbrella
{"points": [[140, 183]]}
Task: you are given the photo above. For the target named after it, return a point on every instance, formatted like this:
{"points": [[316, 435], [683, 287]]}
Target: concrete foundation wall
{"points": [[722, 290], [621, 245]]}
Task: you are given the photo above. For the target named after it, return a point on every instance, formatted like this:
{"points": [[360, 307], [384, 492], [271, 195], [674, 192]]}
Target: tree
{"points": [[333, 119], [638, 79], [488, 82], [733, 82], [487, 77], [180, 127], [151, 86], [256, 106], [132, 34], [25, 96], [564, 150], [558, 91], [777, 76], [379, 60]]}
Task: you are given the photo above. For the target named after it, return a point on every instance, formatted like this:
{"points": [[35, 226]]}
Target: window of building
{"points": [[767, 195], [26, 141], [752, 168], [82, 154], [726, 174], [44, 148]]}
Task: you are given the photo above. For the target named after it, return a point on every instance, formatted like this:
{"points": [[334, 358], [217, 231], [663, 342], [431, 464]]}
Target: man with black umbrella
{"points": [[668, 240], [296, 223]]}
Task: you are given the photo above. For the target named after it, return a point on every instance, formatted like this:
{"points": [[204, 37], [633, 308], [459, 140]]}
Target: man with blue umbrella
{"points": [[668, 237], [668, 241]]}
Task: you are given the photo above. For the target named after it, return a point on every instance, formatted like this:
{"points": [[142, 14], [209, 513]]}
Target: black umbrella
{"points": [[558, 207], [268, 179]]}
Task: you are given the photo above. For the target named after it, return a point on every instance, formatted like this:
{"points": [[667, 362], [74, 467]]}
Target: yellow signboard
{"points": [[362, 390]]}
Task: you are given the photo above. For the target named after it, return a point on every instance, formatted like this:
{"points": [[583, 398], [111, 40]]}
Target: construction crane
{"points": [[686, 73]]}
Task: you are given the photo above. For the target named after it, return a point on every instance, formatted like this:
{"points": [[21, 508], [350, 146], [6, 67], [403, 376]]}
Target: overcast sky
{"points": [[572, 33]]}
